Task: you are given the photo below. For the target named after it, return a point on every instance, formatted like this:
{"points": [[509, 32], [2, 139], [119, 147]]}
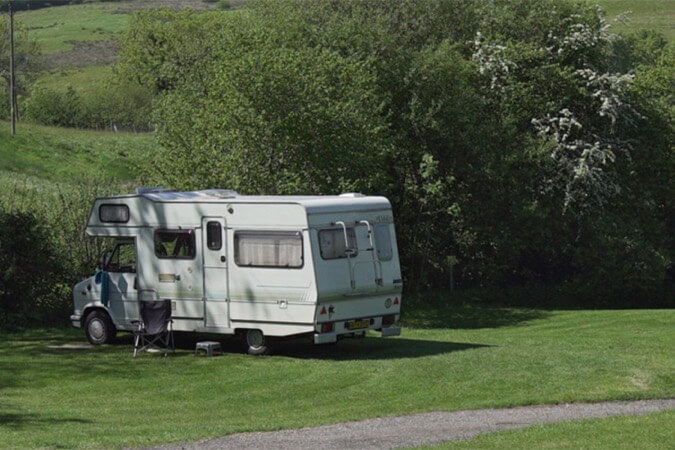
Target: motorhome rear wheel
{"points": [[256, 343]]}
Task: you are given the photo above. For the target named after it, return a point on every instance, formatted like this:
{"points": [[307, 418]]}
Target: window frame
{"points": [[258, 233], [114, 205], [191, 232], [341, 230]]}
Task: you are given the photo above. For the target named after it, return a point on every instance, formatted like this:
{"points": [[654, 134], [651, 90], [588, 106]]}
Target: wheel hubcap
{"points": [[255, 338], [96, 329]]}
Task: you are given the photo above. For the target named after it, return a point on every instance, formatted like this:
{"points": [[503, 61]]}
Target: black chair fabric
{"points": [[154, 330], [156, 316]]}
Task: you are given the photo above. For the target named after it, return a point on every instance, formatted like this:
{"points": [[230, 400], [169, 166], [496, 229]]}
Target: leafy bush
{"points": [[106, 107], [43, 249], [51, 107], [117, 107], [29, 270]]}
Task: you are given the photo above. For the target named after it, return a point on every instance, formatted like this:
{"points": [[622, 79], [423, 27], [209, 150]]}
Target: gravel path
{"points": [[424, 429]]}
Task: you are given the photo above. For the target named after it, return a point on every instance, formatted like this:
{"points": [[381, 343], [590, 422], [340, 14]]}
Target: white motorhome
{"points": [[261, 266]]}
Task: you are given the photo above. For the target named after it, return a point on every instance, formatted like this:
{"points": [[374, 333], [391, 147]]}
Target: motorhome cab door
{"points": [[122, 293], [215, 272]]}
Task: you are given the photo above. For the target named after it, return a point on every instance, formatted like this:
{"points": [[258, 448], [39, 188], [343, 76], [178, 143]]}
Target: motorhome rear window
{"points": [[113, 213], [268, 249], [383, 242], [175, 244], [332, 243], [214, 235]]}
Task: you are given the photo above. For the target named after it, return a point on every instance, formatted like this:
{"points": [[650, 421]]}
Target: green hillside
{"points": [[79, 41], [67, 155], [643, 14], [55, 28]]}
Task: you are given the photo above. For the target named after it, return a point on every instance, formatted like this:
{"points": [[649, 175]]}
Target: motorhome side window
{"points": [[175, 244], [332, 243], [214, 236], [268, 249], [123, 258], [113, 213], [383, 242]]}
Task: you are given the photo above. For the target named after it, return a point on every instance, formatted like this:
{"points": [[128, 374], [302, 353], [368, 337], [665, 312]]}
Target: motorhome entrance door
{"points": [[214, 240]]}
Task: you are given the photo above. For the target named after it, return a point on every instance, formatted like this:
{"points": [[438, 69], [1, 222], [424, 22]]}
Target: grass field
{"points": [[54, 28], [654, 431], [66, 155], [479, 357], [644, 14], [84, 80]]}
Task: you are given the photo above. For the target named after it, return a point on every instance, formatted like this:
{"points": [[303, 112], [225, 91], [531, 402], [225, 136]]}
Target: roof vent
{"points": [[151, 190], [221, 193], [352, 194]]}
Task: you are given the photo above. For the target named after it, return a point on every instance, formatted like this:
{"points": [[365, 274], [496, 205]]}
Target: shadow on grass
{"points": [[371, 349], [108, 358], [467, 316], [21, 420], [65, 345]]}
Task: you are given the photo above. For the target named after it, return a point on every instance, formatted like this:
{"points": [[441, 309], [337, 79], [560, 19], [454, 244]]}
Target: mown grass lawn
{"points": [[454, 358]]}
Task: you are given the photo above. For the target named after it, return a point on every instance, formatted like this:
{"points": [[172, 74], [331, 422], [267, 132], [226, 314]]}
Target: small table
{"points": [[209, 347]]}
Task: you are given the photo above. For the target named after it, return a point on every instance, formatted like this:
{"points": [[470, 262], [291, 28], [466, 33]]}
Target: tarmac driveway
{"points": [[424, 429]]}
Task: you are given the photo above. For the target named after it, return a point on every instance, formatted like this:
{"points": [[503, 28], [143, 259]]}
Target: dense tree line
{"points": [[44, 251], [521, 142]]}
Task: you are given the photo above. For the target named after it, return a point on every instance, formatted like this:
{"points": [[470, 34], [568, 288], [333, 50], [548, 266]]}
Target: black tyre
{"points": [[257, 343], [98, 328]]}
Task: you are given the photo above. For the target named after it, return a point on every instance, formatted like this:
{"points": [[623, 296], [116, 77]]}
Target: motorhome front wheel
{"points": [[256, 343], [99, 328]]}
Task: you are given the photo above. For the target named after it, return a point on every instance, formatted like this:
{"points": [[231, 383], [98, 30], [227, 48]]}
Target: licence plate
{"points": [[357, 324]]}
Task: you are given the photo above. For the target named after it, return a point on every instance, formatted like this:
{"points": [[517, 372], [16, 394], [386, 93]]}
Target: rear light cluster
{"points": [[327, 327], [388, 319]]}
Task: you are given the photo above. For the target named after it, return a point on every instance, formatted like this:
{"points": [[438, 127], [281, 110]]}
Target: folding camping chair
{"points": [[155, 329]]}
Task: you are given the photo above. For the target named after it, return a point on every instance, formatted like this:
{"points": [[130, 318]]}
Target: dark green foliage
{"points": [[51, 107], [514, 144], [107, 107], [43, 250], [29, 271]]}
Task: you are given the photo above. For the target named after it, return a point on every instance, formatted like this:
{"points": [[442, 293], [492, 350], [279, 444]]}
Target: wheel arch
{"points": [[90, 309]]}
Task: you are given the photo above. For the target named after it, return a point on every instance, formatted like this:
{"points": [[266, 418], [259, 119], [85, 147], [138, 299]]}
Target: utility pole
{"points": [[12, 79]]}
